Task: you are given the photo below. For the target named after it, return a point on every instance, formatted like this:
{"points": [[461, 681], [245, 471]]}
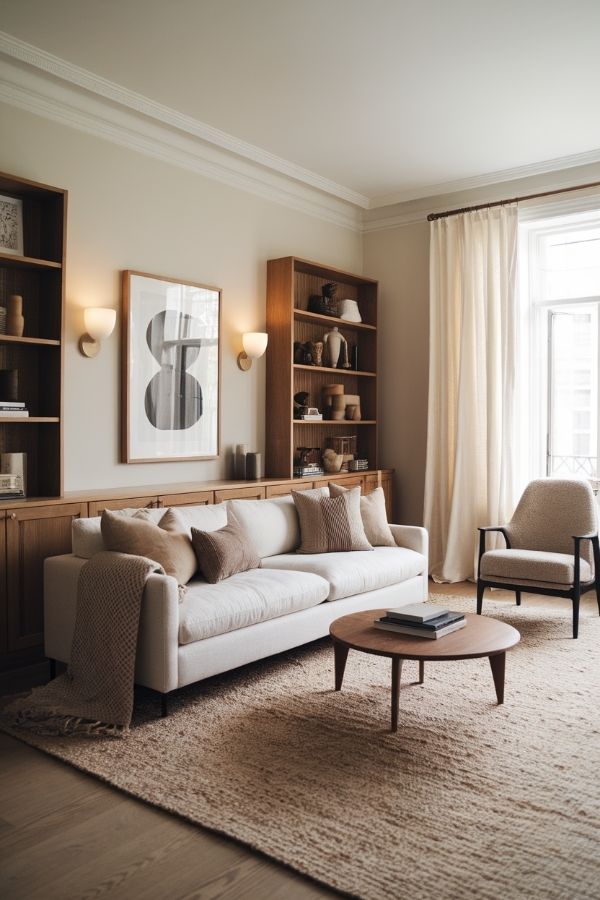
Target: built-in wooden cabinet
{"points": [[38, 276], [97, 507], [290, 284]]}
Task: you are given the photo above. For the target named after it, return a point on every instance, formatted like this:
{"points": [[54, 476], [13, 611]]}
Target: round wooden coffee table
{"points": [[481, 636]]}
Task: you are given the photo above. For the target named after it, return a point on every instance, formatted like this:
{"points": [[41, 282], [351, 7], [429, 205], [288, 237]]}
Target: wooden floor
{"points": [[66, 835]]}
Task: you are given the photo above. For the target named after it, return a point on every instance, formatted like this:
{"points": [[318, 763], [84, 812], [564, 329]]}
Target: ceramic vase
{"points": [[15, 323], [316, 352], [334, 341]]}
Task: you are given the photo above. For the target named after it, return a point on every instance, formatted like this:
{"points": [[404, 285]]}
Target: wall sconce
{"points": [[99, 323], [255, 344]]}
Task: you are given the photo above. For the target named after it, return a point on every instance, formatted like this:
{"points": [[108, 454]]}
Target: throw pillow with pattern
{"points": [[330, 524]]}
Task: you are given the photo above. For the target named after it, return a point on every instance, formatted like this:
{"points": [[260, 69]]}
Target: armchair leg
{"points": [[575, 614], [518, 594], [598, 595], [164, 706], [480, 590]]}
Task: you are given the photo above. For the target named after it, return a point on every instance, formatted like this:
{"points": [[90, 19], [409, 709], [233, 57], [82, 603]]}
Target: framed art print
{"points": [[171, 369], [11, 225]]}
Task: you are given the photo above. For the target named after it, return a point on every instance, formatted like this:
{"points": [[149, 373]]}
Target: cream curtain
{"points": [[472, 359]]}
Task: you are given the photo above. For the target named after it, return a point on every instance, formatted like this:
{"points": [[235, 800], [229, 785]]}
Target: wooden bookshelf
{"points": [[290, 284], [38, 276]]}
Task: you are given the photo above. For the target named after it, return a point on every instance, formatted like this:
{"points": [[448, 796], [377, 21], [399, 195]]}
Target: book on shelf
{"points": [[416, 612], [443, 625], [301, 471], [312, 418], [13, 413], [10, 483], [12, 404], [12, 495]]}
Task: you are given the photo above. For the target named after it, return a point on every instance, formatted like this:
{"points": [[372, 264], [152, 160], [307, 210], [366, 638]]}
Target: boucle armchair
{"points": [[551, 545]]}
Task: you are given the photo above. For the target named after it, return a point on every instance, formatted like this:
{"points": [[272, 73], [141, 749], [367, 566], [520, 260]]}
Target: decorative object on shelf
{"points": [[328, 392], [311, 414], [345, 360], [11, 486], [332, 461], [346, 445], [354, 357], [99, 323], [241, 452], [316, 352], [254, 466], [11, 225], [353, 411], [326, 304], [255, 344], [348, 310], [173, 413], [338, 407], [307, 461], [300, 403], [334, 340], [358, 465], [9, 386], [15, 323], [298, 353], [15, 464], [2, 320]]}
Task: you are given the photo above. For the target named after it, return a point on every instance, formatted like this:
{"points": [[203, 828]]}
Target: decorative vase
{"points": [[334, 341], [254, 466], [15, 323], [348, 310], [316, 352], [240, 461]]}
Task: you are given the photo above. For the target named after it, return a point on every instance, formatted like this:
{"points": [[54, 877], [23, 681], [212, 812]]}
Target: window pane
{"points": [[574, 392], [570, 264]]}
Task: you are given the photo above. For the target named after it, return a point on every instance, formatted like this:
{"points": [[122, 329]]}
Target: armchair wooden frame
{"points": [[574, 593]]}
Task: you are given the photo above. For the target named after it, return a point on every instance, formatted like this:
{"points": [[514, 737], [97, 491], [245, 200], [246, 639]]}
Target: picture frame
{"points": [[11, 225], [171, 362]]}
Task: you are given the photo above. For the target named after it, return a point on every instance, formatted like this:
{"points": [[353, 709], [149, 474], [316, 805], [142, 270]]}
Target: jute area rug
{"points": [[468, 799]]}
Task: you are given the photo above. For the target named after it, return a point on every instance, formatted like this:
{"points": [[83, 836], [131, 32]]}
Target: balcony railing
{"points": [[579, 466]]}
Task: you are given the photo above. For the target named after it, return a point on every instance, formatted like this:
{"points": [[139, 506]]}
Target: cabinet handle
{"points": [[13, 515]]}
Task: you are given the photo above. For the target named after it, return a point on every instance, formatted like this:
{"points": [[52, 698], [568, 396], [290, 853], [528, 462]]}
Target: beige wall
{"points": [[399, 258], [127, 210]]}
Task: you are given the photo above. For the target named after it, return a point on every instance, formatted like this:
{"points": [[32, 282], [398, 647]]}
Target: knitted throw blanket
{"points": [[95, 695]]}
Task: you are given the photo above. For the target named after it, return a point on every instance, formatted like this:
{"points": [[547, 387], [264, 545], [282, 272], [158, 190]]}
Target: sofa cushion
{"points": [[86, 534], [246, 599], [224, 552], [357, 572], [330, 524], [373, 514], [532, 565], [166, 542], [272, 524]]}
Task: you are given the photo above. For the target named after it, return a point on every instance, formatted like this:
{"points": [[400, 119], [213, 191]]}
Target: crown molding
{"points": [[478, 181], [81, 100]]}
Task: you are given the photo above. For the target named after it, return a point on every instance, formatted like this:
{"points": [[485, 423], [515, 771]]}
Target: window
{"points": [[560, 292]]}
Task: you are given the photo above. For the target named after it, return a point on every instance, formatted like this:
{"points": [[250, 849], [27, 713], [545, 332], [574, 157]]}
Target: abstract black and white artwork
{"points": [[171, 384], [11, 225]]}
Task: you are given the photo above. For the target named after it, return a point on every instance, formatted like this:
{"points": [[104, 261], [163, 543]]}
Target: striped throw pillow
{"points": [[330, 524]]}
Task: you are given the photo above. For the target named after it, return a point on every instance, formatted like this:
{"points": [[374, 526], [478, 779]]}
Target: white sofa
{"points": [[290, 600]]}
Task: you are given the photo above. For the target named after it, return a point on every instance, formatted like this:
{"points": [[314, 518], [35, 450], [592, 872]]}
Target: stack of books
{"points": [[11, 487], [13, 409], [421, 620]]}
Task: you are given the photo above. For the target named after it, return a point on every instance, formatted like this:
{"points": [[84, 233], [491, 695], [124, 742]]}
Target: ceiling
{"points": [[390, 98]]}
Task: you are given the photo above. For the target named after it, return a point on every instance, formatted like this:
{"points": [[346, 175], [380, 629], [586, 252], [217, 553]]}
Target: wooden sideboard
{"points": [[32, 529]]}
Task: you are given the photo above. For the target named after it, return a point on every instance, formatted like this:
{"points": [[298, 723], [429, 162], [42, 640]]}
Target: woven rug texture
{"points": [[468, 799]]}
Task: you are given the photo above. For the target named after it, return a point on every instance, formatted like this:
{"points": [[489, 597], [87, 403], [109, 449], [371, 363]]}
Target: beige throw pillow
{"points": [[224, 552], [330, 524], [166, 542], [373, 514]]}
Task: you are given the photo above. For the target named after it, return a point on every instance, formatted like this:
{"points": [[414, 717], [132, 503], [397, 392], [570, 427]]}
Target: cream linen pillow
{"points": [[330, 524], [373, 515], [166, 542]]}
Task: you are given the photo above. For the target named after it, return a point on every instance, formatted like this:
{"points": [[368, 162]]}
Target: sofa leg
{"points": [[575, 615], [518, 595], [480, 590], [164, 706], [52, 669]]}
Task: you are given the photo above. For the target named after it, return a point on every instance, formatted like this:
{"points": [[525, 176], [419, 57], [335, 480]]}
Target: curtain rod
{"points": [[454, 212]]}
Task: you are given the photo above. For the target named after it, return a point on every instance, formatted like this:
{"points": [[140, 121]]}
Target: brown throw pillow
{"points": [[329, 524], [224, 552], [166, 543], [373, 515]]}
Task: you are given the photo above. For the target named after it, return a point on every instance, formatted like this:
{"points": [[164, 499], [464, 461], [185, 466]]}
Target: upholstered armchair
{"points": [[551, 545]]}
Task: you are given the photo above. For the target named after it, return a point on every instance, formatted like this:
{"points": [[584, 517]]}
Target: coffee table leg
{"points": [[498, 665], [421, 671], [396, 672], [341, 655]]}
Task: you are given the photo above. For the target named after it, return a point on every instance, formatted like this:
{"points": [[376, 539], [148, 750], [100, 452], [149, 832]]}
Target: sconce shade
{"points": [[99, 322], [255, 343]]}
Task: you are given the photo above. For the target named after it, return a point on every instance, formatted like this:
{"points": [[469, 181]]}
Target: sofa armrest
{"points": [[412, 537], [157, 651]]}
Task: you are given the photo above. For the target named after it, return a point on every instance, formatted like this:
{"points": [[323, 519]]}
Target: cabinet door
{"points": [[3, 585], [243, 493], [32, 534], [347, 481], [371, 483], [280, 490], [96, 507], [195, 498]]}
